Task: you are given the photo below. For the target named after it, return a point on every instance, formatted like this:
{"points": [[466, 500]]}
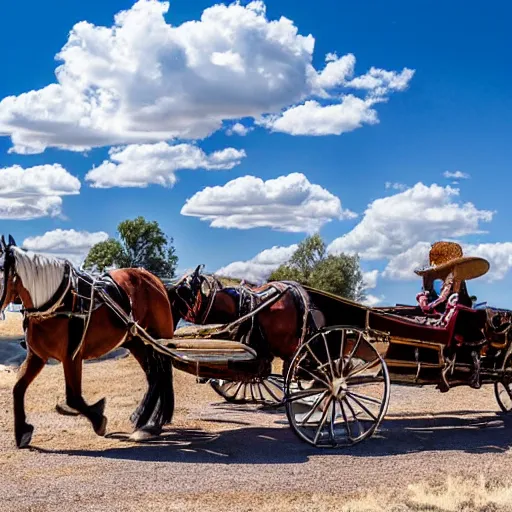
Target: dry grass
{"points": [[454, 494], [11, 326]]}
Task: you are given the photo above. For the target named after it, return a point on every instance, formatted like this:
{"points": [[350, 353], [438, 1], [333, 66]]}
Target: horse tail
{"points": [[157, 407]]}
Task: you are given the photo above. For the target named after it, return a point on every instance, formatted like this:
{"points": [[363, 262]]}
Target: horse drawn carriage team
{"points": [[339, 357]]}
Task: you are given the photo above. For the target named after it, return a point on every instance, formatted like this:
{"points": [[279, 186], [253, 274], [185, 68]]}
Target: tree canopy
{"points": [[312, 266], [141, 243]]}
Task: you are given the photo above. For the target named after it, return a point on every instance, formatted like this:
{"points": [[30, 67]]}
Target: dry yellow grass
{"points": [[11, 326]]}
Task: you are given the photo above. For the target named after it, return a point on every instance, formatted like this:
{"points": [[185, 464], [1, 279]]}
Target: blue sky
{"points": [[332, 138]]}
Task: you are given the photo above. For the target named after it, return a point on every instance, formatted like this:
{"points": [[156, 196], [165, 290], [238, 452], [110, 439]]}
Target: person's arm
{"points": [[443, 296]]}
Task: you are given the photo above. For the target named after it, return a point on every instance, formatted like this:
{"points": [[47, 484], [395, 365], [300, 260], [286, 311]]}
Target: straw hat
{"points": [[445, 257]]}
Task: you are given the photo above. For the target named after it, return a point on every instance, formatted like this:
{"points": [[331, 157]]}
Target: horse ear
{"points": [[2, 243], [11, 240], [197, 271]]}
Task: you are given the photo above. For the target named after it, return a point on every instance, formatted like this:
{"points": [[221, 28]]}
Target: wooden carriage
{"points": [[336, 387]]}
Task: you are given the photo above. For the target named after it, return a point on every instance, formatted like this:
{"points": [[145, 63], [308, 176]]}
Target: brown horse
{"points": [[282, 325], [71, 317]]}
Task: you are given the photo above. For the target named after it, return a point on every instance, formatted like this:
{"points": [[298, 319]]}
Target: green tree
{"points": [[141, 243], [312, 266]]}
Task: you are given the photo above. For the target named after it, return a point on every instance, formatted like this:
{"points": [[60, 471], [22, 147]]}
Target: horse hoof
{"points": [[25, 436], [99, 407], [65, 410], [145, 434], [101, 429]]}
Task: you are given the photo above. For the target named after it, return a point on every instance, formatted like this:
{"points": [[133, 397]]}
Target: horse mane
{"points": [[40, 275]]}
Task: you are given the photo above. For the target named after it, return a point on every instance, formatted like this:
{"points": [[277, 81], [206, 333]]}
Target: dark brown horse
{"points": [[71, 317], [202, 299]]}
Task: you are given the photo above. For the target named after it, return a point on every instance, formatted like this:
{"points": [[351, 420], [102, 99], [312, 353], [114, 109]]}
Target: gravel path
{"points": [[219, 456]]}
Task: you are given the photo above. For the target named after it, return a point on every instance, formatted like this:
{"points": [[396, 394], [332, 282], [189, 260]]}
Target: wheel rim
{"points": [[258, 390], [503, 396], [337, 388]]}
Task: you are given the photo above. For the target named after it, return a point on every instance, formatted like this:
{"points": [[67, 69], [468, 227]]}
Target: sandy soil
{"points": [[218, 456]]}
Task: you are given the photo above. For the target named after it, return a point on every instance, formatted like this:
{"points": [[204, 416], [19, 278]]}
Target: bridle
{"points": [[199, 310]]}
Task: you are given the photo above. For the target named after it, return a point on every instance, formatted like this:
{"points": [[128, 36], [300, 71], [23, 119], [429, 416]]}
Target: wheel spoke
{"points": [[320, 364], [333, 376], [333, 421], [300, 395], [354, 348], [362, 368], [365, 409], [322, 420], [341, 365], [237, 390], [362, 430], [315, 377], [270, 392], [345, 419], [365, 397], [313, 409]]}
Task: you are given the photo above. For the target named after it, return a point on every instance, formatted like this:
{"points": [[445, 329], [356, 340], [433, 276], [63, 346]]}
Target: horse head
{"points": [[8, 288], [193, 294]]}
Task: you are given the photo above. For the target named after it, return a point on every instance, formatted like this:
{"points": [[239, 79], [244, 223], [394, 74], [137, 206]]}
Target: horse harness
{"points": [[78, 296]]}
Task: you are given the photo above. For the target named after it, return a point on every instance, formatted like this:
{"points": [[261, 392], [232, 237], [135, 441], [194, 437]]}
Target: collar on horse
{"points": [[58, 298]]}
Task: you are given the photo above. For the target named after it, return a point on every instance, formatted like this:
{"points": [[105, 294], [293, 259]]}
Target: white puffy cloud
{"points": [[373, 300], [257, 269], [239, 129], [288, 203], [370, 279], [456, 175], [65, 243], [381, 82], [393, 224], [402, 265], [34, 192], [143, 80], [313, 118], [139, 165]]}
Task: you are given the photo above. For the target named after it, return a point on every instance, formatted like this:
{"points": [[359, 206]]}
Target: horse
{"points": [[71, 317], [279, 327]]}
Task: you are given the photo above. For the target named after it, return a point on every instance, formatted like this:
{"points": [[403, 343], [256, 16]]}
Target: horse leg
{"points": [[157, 406], [75, 400], [28, 371]]}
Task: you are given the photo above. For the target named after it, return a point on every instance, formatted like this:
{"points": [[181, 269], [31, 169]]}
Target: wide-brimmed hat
{"points": [[448, 256]]}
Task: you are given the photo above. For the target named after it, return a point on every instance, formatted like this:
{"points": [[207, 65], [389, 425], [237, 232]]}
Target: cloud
{"points": [[402, 266], [312, 118], [143, 80], [139, 165], [288, 203], [373, 300], [65, 243], [258, 269], [396, 186], [239, 129], [370, 279], [393, 224], [381, 82], [457, 175], [34, 192]]}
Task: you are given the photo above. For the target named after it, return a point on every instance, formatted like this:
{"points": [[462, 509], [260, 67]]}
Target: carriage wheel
{"points": [[337, 388], [503, 389], [268, 390]]}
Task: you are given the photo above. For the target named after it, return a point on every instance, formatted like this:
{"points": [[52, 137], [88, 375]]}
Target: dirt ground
{"points": [[433, 452]]}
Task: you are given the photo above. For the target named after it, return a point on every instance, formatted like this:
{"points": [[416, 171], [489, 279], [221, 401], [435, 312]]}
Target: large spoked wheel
{"points": [[503, 389], [337, 388], [268, 390]]}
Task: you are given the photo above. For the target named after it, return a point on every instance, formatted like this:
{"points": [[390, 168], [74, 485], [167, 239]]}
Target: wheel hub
{"points": [[339, 387]]}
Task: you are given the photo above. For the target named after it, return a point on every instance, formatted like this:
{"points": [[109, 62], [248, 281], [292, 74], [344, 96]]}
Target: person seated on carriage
{"points": [[448, 271]]}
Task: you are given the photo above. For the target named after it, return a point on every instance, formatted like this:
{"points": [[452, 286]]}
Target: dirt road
{"points": [[240, 457], [218, 456]]}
